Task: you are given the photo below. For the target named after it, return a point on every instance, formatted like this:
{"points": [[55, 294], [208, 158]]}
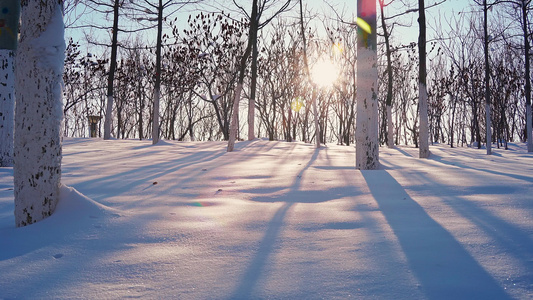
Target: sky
{"points": [[405, 35]]}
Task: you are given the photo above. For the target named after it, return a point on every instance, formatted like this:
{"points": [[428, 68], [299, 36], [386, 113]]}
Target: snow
{"points": [[50, 45], [275, 220]]}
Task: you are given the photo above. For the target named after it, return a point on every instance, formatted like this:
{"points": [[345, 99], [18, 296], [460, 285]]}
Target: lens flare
{"points": [[338, 49], [297, 104], [363, 25]]}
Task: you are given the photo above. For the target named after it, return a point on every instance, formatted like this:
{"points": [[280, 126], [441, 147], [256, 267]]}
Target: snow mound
{"points": [[74, 205], [75, 219]]}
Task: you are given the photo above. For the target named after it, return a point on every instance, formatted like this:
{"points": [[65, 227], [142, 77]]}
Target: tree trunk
{"points": [[487, 78], [315, 113], [7, 106], [108, 123], [253, 87], [389, 137], [234, 126], [366, 132], [390, 128], [37, 147], [452, 122], [527, 46], [141, 110], [235, 118], [157, 88], [422, 87]]}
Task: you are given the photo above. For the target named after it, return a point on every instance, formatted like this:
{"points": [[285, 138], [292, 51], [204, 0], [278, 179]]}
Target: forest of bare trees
{"points": [[200, 64]]}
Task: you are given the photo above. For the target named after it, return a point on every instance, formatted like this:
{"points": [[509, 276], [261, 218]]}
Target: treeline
{"points": [[199, 73]]}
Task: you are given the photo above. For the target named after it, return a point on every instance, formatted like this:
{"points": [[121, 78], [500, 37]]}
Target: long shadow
{"points": [[515, 241], [442, 160], [403, 152], [256, 270], [443, 267], [149, 174], [124, 181]]}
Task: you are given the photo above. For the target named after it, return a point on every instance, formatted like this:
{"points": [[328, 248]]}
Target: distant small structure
{"points": [[93, 125]]}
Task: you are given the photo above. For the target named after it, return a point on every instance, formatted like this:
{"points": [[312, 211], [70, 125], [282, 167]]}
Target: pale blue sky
{"points": [[405, 35]]}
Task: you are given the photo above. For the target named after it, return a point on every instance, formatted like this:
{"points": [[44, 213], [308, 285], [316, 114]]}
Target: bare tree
{"points": [[488, 122], [114, 8], [262, 6], [242, 68], [386, 34], [308, 75], [157, 12], [258, 8], [527, 47], [215, 43]]}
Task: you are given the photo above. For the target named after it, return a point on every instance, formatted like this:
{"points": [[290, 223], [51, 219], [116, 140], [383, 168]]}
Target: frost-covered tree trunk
{"points": [[234, 126], [157, 88], [390, 128], [315, 114], [7, 106], [253, 85], [487, 78], [527, 48], [386, 35], [108, 123], [423, 135], [38, 113], [366, 132]]}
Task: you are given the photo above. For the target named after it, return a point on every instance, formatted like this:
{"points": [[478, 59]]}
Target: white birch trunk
{"points": [[488, 129], [7, 106], [38, 114], [155, 124], [366, 131], [487, 78], [390, 129], [315, 113], [529, 126], [157, 87], [251, 120], [423, 136], [234, 118], [423, 129], [108, 122]]}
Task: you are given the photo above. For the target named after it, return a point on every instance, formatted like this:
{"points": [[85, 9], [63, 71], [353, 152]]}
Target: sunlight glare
{"points": [[324, 73], [338, 49]]}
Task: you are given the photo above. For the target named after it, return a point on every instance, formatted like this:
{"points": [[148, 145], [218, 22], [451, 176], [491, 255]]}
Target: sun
{"points": [[324, 73]]}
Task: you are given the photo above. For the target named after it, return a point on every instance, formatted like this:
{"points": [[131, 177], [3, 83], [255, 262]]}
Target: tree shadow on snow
{"points": [[255, 273], [443, 267], [445, 161]]}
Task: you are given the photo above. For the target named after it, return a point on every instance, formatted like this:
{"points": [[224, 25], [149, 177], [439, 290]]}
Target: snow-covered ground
{"points": [[275, 220]]}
